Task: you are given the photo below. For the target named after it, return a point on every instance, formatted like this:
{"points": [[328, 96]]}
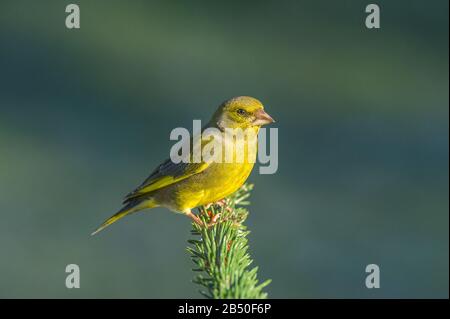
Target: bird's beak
{"points": [[262, 118]]}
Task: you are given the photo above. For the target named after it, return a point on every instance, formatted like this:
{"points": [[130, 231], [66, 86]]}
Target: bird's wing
{"points": [[169, 172], [166, 174]]}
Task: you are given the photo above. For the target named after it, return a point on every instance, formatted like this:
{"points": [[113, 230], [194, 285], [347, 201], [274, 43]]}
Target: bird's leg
{"points": [[213, 220], [194, 217]]}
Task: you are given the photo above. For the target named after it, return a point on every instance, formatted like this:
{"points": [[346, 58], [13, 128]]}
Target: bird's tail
{"points": [[130, 208]]}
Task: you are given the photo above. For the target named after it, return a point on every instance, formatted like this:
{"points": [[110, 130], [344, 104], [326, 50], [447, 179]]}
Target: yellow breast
{"points": [[220, 179]]}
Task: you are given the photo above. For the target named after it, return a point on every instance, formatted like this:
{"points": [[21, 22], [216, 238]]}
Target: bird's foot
{"points": [[223, 203], [212, 217], [213, 220], [194, 217]]}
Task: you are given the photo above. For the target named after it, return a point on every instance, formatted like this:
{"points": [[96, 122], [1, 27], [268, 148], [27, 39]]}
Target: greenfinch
{"points": [[183, 186]]}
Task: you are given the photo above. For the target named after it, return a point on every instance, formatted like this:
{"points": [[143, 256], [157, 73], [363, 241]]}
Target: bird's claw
{"points": [[213, 220], [194, 218], [223, 203]]}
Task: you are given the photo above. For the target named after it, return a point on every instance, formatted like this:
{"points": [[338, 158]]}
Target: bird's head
{"points": [[241, 112]]}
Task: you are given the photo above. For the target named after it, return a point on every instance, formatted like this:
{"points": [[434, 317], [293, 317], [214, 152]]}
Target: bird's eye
{"points": [[241, 112]]}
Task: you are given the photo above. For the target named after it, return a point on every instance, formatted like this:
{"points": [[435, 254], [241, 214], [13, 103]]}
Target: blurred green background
{"points": [[363, 124]]}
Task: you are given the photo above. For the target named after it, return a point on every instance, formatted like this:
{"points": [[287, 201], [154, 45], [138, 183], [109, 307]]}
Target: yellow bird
{"points": [[183, 186]]}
